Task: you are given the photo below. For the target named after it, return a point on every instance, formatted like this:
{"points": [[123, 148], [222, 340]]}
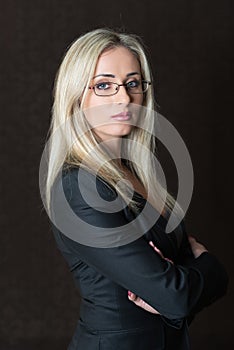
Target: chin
{"points": [[115, 131]]}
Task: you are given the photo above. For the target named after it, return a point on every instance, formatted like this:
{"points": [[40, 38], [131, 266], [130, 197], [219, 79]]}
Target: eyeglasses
{"points": [[108, 88]]}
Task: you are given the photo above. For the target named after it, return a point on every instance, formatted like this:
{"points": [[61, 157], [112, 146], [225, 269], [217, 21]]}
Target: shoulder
{"points": [[92, 198], [81, 197], [77, 181]]}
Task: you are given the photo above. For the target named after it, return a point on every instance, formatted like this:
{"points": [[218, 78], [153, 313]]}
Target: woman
{"points": [[138, 291]]}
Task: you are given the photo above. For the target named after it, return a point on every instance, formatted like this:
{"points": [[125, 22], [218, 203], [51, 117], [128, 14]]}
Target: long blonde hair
{"points": [[71, 84]]}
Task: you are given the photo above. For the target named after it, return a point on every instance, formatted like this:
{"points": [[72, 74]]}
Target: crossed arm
{"points": [[197, 249], [172, 290]]}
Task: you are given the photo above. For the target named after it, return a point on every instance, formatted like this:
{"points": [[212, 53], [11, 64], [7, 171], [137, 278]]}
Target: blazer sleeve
{"points": [[184, 256], [173, 290], [219, 278]]}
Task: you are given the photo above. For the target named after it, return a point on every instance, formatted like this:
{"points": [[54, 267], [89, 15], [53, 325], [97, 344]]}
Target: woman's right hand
{"points": [[197, 248], [137, 300]]}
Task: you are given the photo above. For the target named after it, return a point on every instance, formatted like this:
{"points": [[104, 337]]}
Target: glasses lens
{"points": [[106, 88], [145, 86], [138, 87]]}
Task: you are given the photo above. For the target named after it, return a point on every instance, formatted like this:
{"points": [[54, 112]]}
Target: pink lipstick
{"points": [[122, 116]]}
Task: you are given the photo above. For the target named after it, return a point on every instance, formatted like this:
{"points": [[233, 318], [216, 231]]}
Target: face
{"points": [[113, 116]]}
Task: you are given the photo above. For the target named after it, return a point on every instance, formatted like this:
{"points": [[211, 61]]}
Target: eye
{"points": [[103, 86], [133, 84]]}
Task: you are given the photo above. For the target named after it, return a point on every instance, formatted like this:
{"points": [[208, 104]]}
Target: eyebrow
{"points": [[113, 76]]}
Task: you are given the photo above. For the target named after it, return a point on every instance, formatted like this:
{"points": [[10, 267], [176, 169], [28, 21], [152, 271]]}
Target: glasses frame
{"points": [[118, 87]]}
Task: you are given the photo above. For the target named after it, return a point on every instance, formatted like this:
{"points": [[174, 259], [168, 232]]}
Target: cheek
{"points": [[97, 114], [138, 99], [90, 100]]}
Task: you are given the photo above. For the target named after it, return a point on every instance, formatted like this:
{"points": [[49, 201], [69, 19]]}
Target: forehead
{"points": [[118, 61]]}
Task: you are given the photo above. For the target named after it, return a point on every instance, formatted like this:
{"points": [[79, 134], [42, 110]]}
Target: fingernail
{"points": [[129, 293]]}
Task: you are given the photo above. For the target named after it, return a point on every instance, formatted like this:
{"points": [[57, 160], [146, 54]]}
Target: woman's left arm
{"points": [[188, 252]]}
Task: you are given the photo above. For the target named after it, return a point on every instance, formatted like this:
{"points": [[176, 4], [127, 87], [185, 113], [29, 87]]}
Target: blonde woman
{"points": [[139, 291]]}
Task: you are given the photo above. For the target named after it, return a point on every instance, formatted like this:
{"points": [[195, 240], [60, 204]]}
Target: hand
{"points": [[141, 303], [159, 252], [197, 248], [137, 300]]}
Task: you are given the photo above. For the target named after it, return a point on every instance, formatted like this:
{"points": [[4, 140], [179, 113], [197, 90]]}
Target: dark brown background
{"points": [[191, 46]]}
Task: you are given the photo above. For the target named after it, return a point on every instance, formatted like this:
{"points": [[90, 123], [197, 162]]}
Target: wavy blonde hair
{"points": [[67, 146]]}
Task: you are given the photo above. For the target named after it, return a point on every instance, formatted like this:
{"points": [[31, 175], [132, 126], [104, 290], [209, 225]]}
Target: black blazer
{"points": [[108, 320]]}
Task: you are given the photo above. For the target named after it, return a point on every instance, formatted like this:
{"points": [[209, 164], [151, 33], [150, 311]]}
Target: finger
{"points": [[169, 260], [159, 252], [191, 238], [132, 296], [155, 248], [151, 243], [141, 303]]}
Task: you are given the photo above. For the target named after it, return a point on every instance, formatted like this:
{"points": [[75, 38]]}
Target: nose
{"points": [[122, 95]]}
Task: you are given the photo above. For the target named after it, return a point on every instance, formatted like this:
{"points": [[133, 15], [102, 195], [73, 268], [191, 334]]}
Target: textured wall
{"points": [[191, 48]]}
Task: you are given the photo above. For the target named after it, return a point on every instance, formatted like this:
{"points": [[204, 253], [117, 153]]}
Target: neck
{"points": [[114, 147]]}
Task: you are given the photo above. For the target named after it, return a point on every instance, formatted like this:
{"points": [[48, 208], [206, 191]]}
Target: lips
{"points": [[122, 116]]}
